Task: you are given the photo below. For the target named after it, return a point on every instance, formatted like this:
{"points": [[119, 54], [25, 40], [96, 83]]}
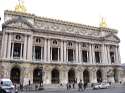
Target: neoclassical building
{"points": [[55, 51]]}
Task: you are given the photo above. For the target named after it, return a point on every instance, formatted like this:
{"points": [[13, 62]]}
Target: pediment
{"points": [[112, 37], [18, 22]]}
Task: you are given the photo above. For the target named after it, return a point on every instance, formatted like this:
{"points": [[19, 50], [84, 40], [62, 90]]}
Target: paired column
{"points": [[48, 53], [45, 50], [61, 51], [65, 54], [4, 45], [108, 54], [30, 40], [25, 48], [117, 55], [9, 46], [93, 54], [77, 52], [90, 53]]}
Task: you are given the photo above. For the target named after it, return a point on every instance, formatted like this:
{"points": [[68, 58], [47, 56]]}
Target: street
{"points": [[62, 90]]}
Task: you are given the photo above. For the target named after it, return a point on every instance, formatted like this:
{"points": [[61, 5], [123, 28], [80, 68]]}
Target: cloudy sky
{"points": [[87, 12]]}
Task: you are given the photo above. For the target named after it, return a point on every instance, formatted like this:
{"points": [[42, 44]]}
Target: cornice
{"points": [[56, 21]]}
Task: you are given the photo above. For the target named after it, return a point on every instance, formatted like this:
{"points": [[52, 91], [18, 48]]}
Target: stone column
{"points": [[21, 51], [116, 55], [48, 51], [90, 53], [5, 45], [108, 55], [79, 49], [61, 51], [119, 58], [45, 50], [12, 51], [9, 46], [25, 48], [104, 55], [77, 53], [93, 54], [65, 54], [30, 41]]}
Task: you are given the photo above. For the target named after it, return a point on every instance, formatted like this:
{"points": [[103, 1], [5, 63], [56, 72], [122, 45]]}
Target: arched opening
{"points": [[115, 75], [99, 76], [55, 76], [71, 76], [15, 75], [37, 75], [86, 76]]}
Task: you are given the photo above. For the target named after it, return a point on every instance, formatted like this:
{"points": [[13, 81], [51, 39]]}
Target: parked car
{"points": [[6, 86], [101, 85]]}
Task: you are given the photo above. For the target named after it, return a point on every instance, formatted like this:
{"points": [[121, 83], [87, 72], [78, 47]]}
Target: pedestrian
{"points": [[80, 85], [73, 85], [67, 85], [85, 85], [29, 83]]}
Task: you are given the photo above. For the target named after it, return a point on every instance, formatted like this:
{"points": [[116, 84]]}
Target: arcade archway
{"points": [[37, 75], [71, 76], [99, 76], [55, 76], [15, 75], [86, 76]]}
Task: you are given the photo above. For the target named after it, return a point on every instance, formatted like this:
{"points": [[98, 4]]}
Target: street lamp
{"points": [[41, 79]]}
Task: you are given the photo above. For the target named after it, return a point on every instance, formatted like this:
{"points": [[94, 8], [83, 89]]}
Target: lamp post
{"points": [[41, 78]]}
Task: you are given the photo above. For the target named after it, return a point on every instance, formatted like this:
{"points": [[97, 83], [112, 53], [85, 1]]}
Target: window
{"points": [[69, 43], [54, 54], [17, 50], [84, 45], [84, 56], [55, 42], [38, 40], [37, 52], [70, 54], [18, 37], [112, 57], [97, 57]]}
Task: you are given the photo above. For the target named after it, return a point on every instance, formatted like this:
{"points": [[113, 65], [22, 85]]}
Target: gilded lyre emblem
{"points": [[20, 7]]}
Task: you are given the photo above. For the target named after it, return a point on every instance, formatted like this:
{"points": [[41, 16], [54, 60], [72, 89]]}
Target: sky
{"points": [[87, 12]]}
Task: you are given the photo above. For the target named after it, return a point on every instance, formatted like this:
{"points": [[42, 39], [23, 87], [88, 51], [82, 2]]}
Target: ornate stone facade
{"points": [[52, 51]]}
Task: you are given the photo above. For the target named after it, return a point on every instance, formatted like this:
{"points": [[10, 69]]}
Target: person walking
{"points": [[80, 86], [85, 85]]}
